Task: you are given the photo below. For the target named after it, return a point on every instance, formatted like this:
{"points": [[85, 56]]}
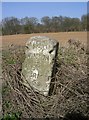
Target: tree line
{"points": [[26, 25]]}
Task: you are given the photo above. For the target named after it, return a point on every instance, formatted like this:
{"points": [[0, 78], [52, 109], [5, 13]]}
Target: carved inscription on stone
{"points": [[38, 65]]}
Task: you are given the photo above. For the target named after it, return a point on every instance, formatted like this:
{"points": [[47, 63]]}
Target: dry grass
{"points": [[62, 37], [69, 98]]}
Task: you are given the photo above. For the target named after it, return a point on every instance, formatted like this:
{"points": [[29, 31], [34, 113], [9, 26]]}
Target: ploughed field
{"points": [[62, 37]]}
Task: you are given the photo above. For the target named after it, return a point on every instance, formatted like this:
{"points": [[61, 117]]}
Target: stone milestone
{"points": [[38, 65]]}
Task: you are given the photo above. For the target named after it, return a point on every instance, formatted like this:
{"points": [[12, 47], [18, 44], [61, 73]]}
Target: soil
{"points": [[61, 37]]}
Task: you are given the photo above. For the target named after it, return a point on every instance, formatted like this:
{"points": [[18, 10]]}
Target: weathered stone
{"points": [[38, 65]]}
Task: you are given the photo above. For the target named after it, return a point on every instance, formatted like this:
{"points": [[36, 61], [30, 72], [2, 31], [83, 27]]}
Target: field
{"points": [[69, 97], [62, 37]]}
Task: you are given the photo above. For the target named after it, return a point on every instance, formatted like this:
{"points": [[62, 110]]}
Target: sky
{"points": [[40, 9]]}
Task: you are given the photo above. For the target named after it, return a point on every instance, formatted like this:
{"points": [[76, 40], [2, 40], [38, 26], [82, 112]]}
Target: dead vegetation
{"points": [[70, 95]]}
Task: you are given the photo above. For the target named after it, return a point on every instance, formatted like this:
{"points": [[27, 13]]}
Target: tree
{"points": [[84, 22], [10, 26], [29, 24], [56, 23], [76, 24], [88, 22], [46, 21]]}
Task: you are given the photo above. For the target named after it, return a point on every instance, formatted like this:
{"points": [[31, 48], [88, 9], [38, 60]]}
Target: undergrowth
{"points": [[70, 94]]}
